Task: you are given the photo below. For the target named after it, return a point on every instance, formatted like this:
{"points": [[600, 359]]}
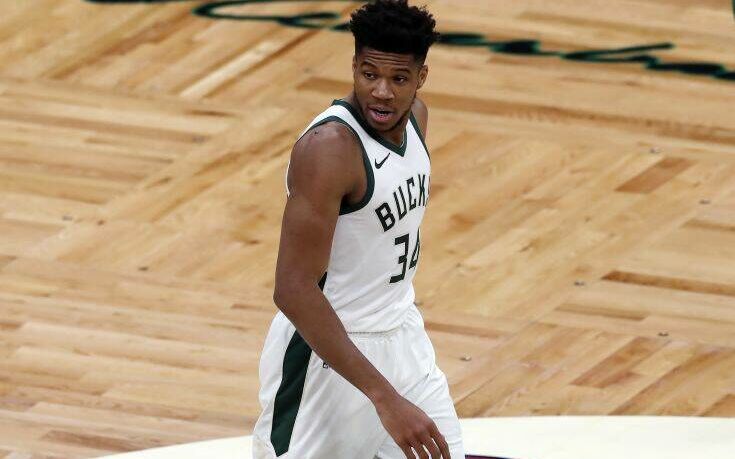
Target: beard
{"points": [[403, 117]]}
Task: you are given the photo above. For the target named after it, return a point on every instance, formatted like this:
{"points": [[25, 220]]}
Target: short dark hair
{"points": [[392, 26]]}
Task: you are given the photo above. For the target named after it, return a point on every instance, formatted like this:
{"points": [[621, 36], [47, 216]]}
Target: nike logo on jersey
{"points": [[379, 164]]}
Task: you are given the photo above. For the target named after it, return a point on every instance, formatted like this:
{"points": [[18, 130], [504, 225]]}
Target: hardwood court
{"points": [[578, 251]]}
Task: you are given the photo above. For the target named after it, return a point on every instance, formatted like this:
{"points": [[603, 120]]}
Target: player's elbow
{"points": [[279, 297], [284, 294], [289, 293]]}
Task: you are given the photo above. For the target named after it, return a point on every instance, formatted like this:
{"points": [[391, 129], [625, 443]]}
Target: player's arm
{"points": [[322, 170]]}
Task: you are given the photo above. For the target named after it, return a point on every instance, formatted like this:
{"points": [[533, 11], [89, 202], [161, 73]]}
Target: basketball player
{"points": [[347, 370]]}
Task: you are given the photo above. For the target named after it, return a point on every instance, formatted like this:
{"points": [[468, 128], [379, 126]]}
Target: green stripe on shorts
{"points": [[288, 397]]}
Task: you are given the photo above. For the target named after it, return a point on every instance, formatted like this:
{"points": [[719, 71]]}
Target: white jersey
{"points": [[376, 243]]}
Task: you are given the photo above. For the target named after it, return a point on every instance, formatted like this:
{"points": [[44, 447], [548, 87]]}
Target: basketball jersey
{"points": [[376, 243]]}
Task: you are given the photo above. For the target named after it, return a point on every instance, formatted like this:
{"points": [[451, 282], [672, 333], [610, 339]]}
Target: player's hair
{"points": [[392, 26]]}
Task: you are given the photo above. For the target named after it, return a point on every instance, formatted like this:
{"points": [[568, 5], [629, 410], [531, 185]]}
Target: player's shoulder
{"points": [[421, 113], [327, 139], [325, 157], [419, 106]]}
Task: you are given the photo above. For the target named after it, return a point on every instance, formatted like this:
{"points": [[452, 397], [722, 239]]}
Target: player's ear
{"points": [[354, 63], [423, 73]]}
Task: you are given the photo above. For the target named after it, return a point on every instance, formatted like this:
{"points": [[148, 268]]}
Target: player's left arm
{"points": [[421, 112]]}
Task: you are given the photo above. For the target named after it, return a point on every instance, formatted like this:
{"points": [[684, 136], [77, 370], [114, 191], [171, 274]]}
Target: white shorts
{"points": [[311, 412]]}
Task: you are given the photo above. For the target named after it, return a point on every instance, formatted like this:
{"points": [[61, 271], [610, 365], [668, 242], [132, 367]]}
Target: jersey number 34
{"points": [[404, 256]]}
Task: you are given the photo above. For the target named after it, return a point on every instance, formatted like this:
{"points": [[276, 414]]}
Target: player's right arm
{"points": [[324, 168], [321, 171]]}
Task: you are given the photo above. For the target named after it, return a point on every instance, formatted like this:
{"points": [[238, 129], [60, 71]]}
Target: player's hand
{"points": [[412, 428]]}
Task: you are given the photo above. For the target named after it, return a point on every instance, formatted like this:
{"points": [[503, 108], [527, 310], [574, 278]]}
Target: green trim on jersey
{"points": [[418, 132], [401, 150], [345, 207]]}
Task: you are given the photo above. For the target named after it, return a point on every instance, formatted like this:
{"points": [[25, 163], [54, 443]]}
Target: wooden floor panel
{"points": [[577, 252]]}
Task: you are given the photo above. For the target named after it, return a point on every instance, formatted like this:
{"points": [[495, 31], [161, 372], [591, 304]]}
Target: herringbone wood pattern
{"points": [[578, 253]]}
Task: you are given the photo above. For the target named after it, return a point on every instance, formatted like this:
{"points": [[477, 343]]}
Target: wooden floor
{"points": [[578, 253]]}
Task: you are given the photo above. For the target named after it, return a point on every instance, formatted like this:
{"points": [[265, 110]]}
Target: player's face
{"points": [[385, 87]]}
